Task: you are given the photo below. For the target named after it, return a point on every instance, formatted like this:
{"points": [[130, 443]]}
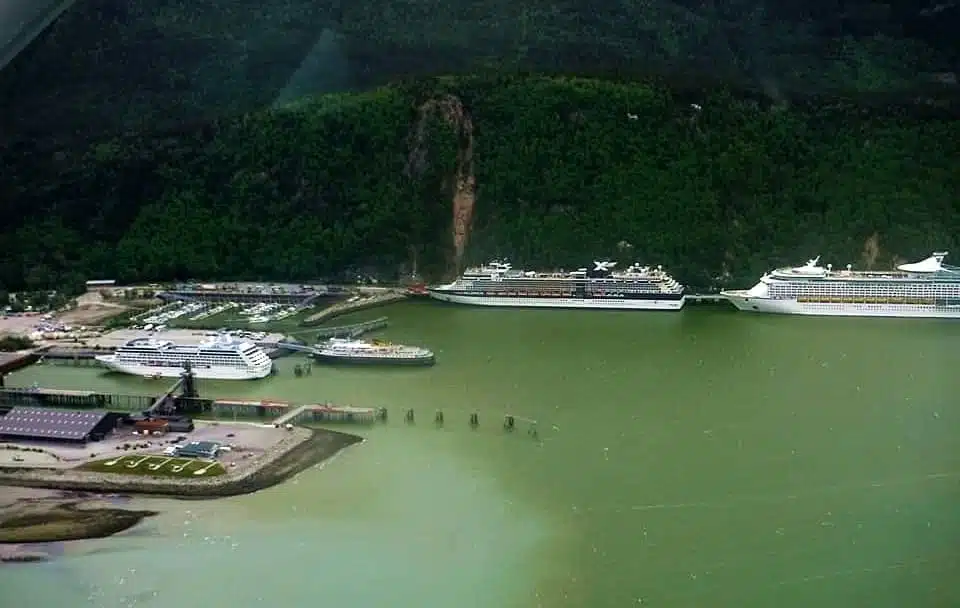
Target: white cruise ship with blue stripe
{"points": [[926, 289], [499, 284], [223, 358]]}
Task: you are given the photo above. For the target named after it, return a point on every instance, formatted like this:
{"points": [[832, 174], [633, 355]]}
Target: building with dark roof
{"points": [[198, 449], [57, 425]]}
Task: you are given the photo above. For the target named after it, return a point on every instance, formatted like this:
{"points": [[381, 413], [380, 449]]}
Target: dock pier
{"points": [[11, 362], [182, 398], [325, 414], [351, 331], [706, 298], [343, 331], [370, 301]]}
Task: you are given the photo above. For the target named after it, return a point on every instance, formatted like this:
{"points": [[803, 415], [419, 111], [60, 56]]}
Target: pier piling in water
{"points": [[509, 422], [474, 420], [409, 416], [438, 418]]}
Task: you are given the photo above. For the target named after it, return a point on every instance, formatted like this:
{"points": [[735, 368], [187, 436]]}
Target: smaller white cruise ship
{"points": [[925, 289], [222, 358], [337, 350]]}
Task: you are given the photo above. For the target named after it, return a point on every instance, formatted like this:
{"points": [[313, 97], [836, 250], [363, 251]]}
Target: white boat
{"points": [[925, 289], [222, 358], [499, 284], [338, 350]]}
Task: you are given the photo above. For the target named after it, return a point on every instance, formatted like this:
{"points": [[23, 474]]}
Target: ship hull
{"points": [[834, 309], [534, 302], [365, 360], [207, 373]]}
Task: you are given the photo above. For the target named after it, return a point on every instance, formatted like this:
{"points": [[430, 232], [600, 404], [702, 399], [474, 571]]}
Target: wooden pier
{"points": [[326, 414], [61, 353], [44, 397], [11, 362], [182, 398]]}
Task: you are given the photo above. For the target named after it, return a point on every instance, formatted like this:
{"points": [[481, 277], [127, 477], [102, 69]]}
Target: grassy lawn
{"points": [[157, 466]]}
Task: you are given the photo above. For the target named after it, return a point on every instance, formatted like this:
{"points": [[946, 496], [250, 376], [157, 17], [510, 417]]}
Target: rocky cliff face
{"points": [[463, 183]]}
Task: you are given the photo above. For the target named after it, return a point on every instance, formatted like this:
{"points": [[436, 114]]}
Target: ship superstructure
{"points": [[222, 358], [499, 284], [928, 288]]}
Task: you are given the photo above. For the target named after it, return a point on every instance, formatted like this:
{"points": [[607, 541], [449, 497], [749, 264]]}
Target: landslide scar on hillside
{"points": [[450, 109]]}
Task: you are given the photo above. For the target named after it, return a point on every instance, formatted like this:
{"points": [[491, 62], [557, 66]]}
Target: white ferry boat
{"points": [[928, 288], [338, 350], [222, 358], [499, 284]]}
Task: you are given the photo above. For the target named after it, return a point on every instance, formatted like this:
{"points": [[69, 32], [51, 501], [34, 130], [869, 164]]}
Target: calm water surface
{"points": [[706, 458]]}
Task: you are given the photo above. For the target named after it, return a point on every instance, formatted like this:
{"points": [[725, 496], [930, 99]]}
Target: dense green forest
{"points": [[715, 187], [110, 65]]}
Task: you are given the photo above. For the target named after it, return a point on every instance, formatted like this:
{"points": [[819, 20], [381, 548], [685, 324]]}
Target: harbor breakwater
{"points": [[364, 303]]}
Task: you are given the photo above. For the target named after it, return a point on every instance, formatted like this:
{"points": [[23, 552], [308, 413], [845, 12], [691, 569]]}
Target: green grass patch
{"points": [[157, 466]]}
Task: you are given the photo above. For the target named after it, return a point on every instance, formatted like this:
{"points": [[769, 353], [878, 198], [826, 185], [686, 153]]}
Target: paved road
{"points": [[22, 20]]}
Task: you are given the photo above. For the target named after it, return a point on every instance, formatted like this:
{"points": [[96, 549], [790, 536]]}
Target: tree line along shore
{"points": [[715, 186]]}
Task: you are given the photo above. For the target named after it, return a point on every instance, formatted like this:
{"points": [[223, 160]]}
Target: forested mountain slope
{"points": [[554, 171]]}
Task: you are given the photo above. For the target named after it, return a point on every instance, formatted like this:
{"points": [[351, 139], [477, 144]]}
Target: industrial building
{"points": [[165, 423], [57, 425], [151, 427]]}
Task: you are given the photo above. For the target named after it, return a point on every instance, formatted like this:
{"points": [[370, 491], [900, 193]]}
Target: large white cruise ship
{"points": [[928, 288], [499, 284], [222, 358]]}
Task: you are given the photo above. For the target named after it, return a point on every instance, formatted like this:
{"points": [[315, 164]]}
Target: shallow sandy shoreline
{"points": [[32, 515]]}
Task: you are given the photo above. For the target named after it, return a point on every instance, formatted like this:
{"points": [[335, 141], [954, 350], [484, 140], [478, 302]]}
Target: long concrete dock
{"points": [[351, 331], [342, 308]]}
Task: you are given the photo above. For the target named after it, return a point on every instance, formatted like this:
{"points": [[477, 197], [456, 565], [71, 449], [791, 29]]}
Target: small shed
{"points": [[199, 449], [151, 426]]}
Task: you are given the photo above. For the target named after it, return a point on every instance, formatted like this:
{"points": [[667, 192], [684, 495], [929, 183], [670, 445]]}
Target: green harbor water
{"points": [[704, 458]]}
